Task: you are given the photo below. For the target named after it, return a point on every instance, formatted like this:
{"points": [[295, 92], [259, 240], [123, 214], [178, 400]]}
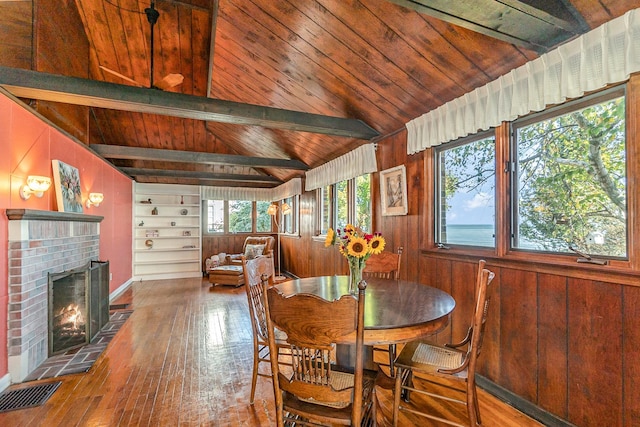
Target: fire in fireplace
{"points": [[78, 306]]}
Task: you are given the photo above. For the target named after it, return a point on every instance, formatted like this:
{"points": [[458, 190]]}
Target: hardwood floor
{"points": [[184, 357]]}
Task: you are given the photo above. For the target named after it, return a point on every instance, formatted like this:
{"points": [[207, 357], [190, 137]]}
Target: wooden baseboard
{"points": [[523, 405]]}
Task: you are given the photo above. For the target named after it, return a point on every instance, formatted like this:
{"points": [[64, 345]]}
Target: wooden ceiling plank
{"points": [[175, 173], [78, 91], [311, 70], [314, 40], [122, 152]]}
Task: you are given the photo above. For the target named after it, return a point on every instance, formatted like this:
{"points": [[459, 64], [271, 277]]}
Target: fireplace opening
{"points": [[78, 306], [68, 308]]}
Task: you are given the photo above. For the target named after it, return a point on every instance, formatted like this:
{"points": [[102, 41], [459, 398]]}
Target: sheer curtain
{"points": [[605, 55], [355, 163], [288, 189]]}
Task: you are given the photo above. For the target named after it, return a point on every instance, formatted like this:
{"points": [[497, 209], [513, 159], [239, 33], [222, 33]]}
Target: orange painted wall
{"points": [[27, 145]]}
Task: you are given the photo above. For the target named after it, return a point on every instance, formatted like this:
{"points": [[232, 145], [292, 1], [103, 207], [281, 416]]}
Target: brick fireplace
{"points": [[41, 242]]}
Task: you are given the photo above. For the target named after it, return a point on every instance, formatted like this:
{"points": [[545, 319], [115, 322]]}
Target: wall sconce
{"points": [[35, 185], [94, 199]]}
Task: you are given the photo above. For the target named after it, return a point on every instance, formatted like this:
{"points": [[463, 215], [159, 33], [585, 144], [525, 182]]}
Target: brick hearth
{"points": [[41, 242]]}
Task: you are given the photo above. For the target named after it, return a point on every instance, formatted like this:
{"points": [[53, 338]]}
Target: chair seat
{"points": [[341, 380], [440, 357]]}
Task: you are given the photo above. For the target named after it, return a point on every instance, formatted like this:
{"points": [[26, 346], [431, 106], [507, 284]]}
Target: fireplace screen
{"points": [[68, 310]]}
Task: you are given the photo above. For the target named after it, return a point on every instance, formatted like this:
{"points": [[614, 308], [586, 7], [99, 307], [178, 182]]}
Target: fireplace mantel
{"points": [[32, 214]]}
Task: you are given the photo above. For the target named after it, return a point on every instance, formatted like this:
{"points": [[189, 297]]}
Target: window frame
{"points": [[254, 219], [333, 201], [437, 199], [292, 219], [549, 113], [550, 262]]}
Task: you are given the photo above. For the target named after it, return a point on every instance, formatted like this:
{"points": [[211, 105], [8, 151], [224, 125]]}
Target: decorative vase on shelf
{"points": [[154, 211]]}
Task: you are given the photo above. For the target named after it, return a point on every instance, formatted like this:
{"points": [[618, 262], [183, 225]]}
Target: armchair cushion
{"points": [[252, 251]]}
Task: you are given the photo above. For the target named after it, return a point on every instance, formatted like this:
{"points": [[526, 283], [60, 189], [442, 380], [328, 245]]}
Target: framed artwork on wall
{"points": [[68, 191], [393, 191]]}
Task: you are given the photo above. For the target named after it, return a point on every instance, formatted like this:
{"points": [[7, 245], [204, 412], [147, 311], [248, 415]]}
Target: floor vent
{"points": [[27, 397]]}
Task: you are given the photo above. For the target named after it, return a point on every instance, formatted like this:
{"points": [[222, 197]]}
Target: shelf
{"points": [[165, 237], [166, 227], [163, 263], [167, 258], [186, 205], [167, 216], [147, 250]]}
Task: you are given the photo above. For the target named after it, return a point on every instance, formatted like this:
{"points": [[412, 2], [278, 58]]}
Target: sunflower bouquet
{"points": [[356, 246]]}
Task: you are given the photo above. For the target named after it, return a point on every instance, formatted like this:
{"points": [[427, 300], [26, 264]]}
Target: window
{"points": [[569, 178], [237, 216], [263, 219], [346, 202], [465, 192], [290, 222], [240, 216], [342, 204], [326, 208], [215, 216], [363, 202]]}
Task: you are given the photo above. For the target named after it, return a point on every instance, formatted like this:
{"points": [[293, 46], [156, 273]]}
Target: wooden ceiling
{"points": [[380, 63]]}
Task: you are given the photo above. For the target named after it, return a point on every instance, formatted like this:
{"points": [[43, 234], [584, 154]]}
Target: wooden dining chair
{"points": [[385, 265], [315, 389], [256, 271], [446, 365]]}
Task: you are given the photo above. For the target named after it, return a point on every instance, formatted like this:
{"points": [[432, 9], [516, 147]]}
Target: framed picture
{"points": [[393, 191], [66, 179]]}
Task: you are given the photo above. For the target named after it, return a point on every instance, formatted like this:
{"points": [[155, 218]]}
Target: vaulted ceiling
{"points": [[272, 88]]}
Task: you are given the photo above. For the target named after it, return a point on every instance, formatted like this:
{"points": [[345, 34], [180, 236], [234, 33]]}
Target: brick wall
{"points": [[37, 248]]}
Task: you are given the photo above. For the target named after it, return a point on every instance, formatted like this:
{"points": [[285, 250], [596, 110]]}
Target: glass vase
{"points": [[355, 275]]}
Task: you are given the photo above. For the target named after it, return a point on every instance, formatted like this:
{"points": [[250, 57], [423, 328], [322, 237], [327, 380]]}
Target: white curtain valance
{"points": [[608, 54], [237, 193], [355, 163], [288, 189]]}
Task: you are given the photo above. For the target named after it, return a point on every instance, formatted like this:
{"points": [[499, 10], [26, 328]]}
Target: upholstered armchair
{"points": [[226, 269], [253, 246]]}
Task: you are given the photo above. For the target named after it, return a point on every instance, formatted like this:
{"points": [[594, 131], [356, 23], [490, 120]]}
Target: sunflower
{"points": [[376, 245], [330, 239], [343, 250], [357, 247]]}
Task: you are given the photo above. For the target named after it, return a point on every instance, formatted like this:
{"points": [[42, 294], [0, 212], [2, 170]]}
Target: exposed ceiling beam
{"points": [[208, 176], [543, 31], [92, 93], [137, 153], [576, 24]]}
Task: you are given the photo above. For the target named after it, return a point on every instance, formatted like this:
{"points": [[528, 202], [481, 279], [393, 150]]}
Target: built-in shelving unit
{"points": [[167, 240]]}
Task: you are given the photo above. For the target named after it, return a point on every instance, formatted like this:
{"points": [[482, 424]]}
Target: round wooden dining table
{"points": [[396, 311]]}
